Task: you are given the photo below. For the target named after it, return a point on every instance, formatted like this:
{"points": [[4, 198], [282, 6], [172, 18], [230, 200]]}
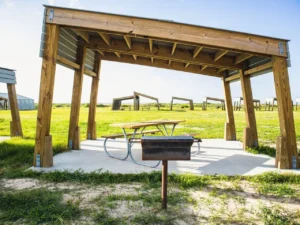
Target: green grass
{"points": [[36, 206], [262, 149], [47, 206], [276, 216], [18, 153]]}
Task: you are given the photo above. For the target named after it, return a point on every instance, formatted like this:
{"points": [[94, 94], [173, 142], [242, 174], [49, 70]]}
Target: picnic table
{"points": [[138, 128]]}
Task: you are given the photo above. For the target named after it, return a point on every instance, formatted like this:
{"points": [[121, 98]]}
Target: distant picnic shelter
{"points": [[81, 40], [8, 76]]}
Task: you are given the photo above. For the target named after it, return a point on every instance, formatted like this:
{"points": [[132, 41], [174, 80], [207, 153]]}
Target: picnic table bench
{"points": [[139, 129]]}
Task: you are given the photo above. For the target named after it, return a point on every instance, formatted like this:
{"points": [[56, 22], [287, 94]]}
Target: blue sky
{"points": [[21, 24]]}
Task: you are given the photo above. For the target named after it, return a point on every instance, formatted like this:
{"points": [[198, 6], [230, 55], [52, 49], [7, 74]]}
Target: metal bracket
{"points": [[281, 49], [234, 137], [70, 144], [51, 14]]}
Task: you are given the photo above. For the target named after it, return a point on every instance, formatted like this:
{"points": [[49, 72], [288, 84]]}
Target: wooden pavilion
{"points": [[117, 102], [81, 40], [8, 76], [182, 99]]}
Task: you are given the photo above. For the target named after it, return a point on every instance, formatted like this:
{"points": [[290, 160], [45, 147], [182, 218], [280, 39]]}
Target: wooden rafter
{"points": [[222, 69], [186, 65], [203, 67], [197, 50], [161, 64], [184, 56], [128, 41], [118, 54], [135, 57], [150, 45], [173, 48], [100, 52], [242, 57], [105, 38], [219, 54], [83, 34], [152, 60], [170, 61]]}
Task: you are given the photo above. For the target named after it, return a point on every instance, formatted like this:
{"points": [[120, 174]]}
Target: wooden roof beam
{"points": [[197, 50], [170, 61], [105, 38], [163, 52], [135, 57], [161, 64], [176, 32], [90, 73], [118, 54], [233, 78], [152, 60], [173, 48], [242, 57], [219, 54], [128, 41], [186, 65], [67, 62]]}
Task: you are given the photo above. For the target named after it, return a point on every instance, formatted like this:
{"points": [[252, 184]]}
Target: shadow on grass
{"points": [[17, 154]]}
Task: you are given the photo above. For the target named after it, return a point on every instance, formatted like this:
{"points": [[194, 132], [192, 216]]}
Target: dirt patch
{"points": [[20, 184], [235, 202]]}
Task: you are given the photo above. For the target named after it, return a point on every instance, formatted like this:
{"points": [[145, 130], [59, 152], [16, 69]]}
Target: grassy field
{"points": [[209, 124], [104, 198]]}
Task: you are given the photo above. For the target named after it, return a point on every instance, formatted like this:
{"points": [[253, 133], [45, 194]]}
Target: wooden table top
{"points": [[135, 125]]}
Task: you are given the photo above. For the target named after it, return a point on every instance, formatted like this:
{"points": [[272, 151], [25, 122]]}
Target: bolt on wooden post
{"points": [[166, 148]]}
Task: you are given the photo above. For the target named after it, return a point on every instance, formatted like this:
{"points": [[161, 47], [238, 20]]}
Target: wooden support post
{"points": [[230, 133], [204, 105], [48, 155], [136, 102], [43, 147], [164, 184], [191, 105], [91, 129], [250, 138], [171, 107], [288, 147], [15, 124], [76, 101]]}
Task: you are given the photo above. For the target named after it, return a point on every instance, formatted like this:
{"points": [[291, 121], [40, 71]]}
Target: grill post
{"points": [[164, 184]]}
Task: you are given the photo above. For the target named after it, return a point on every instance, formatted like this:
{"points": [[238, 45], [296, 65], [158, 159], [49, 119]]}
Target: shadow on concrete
{"points": [[236, 164], [209, 147]]}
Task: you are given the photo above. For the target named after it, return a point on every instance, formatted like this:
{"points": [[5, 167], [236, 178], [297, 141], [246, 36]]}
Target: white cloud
{"points": [[75, 4], [8, 3], [51, 2]]}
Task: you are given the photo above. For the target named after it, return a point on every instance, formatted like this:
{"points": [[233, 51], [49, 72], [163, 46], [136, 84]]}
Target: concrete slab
{"points": [[3, 138], [216, 157]]}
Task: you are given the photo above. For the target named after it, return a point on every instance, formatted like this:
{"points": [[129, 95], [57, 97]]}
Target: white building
{"points": [[24, 103]]}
